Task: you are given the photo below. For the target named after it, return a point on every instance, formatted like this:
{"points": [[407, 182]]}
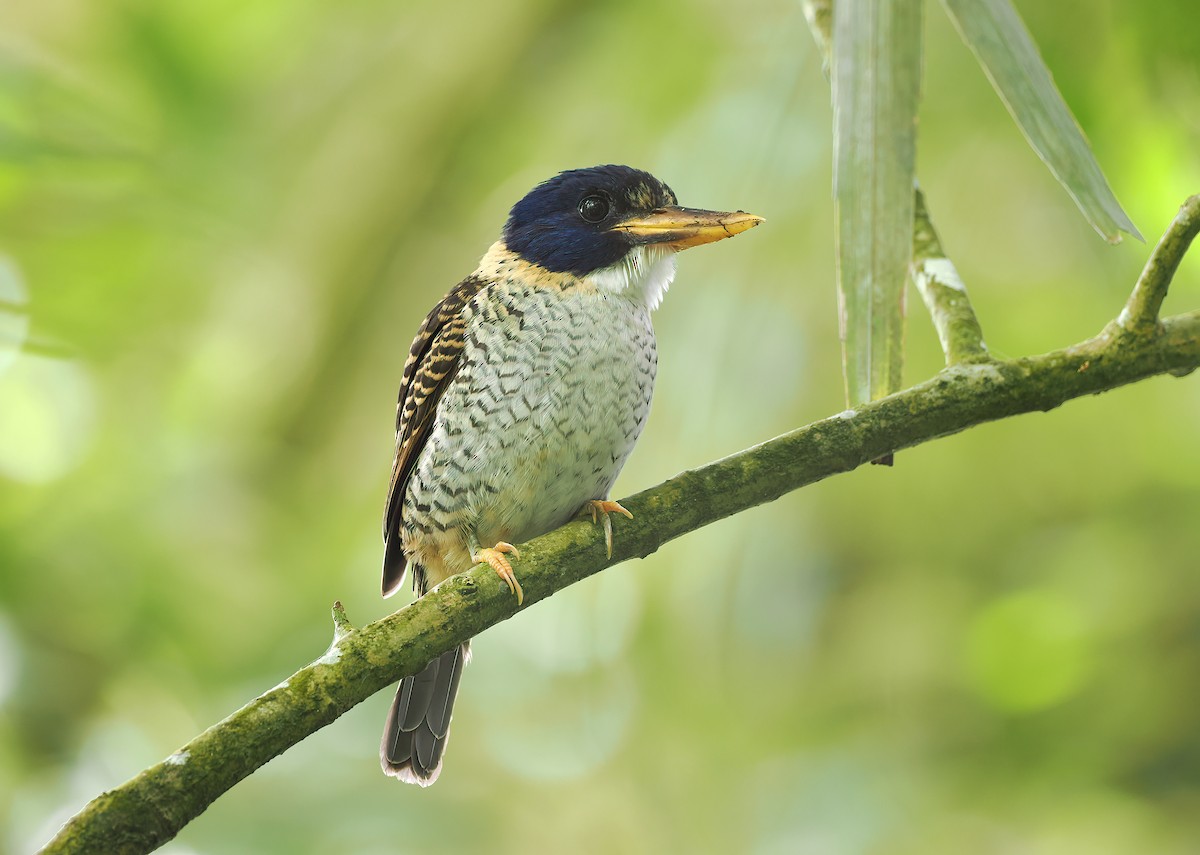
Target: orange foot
{"points": [[600, 509], [494, 557]]}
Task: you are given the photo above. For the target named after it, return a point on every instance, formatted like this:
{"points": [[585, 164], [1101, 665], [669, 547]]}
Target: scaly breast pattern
{"points": [[552, 390]]}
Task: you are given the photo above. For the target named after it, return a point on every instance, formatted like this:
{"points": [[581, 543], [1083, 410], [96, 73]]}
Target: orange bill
{"points": [[680, 228]]}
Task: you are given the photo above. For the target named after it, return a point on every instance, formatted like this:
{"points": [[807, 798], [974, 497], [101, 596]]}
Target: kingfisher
{"points": [[523, 394]]}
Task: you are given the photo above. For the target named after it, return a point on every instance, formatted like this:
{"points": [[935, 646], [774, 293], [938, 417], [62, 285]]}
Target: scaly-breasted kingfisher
{"points": [[522, 396]]}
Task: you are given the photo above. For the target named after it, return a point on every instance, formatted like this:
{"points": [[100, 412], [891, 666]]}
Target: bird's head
{"points": [[616, 225]]}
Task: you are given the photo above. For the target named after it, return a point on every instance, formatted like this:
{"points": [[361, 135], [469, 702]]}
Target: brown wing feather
{"points": [[431, 365]]}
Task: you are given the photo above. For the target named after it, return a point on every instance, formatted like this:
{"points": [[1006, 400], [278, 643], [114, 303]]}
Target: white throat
{"points": [[645, 271]]}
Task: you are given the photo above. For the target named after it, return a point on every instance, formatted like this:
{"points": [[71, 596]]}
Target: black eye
{"points": [[593, 209]]}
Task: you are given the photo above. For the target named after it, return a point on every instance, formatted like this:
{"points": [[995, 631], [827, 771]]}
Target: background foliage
{"points": [[235, 215]]}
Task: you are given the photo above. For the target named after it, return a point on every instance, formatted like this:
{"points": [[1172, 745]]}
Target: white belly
{"points": [[552, 392]]}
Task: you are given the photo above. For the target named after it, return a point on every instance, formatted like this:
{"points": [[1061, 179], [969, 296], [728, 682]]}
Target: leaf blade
{"points": [[876, 79], [1006, 52]]}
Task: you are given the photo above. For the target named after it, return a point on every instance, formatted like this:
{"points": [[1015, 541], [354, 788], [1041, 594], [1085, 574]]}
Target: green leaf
{"points": [[997, 36], [876, 77]]}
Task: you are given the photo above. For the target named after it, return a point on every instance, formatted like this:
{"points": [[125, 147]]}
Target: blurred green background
{"points": [[232, 218]]}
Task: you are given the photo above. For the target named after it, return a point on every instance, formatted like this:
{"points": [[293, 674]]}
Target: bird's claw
{"points": [[493, 556], [600, 509]]}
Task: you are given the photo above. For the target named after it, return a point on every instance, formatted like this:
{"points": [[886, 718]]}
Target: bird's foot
{"points": [[600, 509], [493, 556]]}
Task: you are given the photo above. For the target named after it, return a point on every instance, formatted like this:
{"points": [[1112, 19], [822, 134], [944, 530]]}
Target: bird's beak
{"points": [[680, 228]]}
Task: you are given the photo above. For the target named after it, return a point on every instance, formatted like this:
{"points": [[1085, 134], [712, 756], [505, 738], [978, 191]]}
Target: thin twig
{"points": [[341, 624], [1140, 314], [944, 293]]}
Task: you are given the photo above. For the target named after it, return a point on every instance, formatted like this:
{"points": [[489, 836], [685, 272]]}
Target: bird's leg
{"points": [[600, 509], [493, 556]]}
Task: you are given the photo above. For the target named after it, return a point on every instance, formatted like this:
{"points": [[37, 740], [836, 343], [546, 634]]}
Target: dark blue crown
{"points": [[555, 228]]}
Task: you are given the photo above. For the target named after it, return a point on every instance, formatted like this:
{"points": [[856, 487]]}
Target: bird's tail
{"points": [[419, 722]]}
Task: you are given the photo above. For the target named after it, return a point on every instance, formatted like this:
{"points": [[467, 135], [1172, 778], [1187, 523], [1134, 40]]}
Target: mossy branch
{"points": [[1141, 312], [152, 807], [943, 292]]}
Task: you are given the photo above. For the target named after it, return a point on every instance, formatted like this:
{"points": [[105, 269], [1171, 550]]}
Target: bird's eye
{"points": [[593, 209]]}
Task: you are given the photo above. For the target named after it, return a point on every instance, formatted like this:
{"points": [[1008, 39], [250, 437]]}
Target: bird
{"points": [[522, 395]]}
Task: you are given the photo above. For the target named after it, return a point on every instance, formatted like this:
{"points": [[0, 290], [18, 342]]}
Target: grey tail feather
{"points": [[418, 724]]}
